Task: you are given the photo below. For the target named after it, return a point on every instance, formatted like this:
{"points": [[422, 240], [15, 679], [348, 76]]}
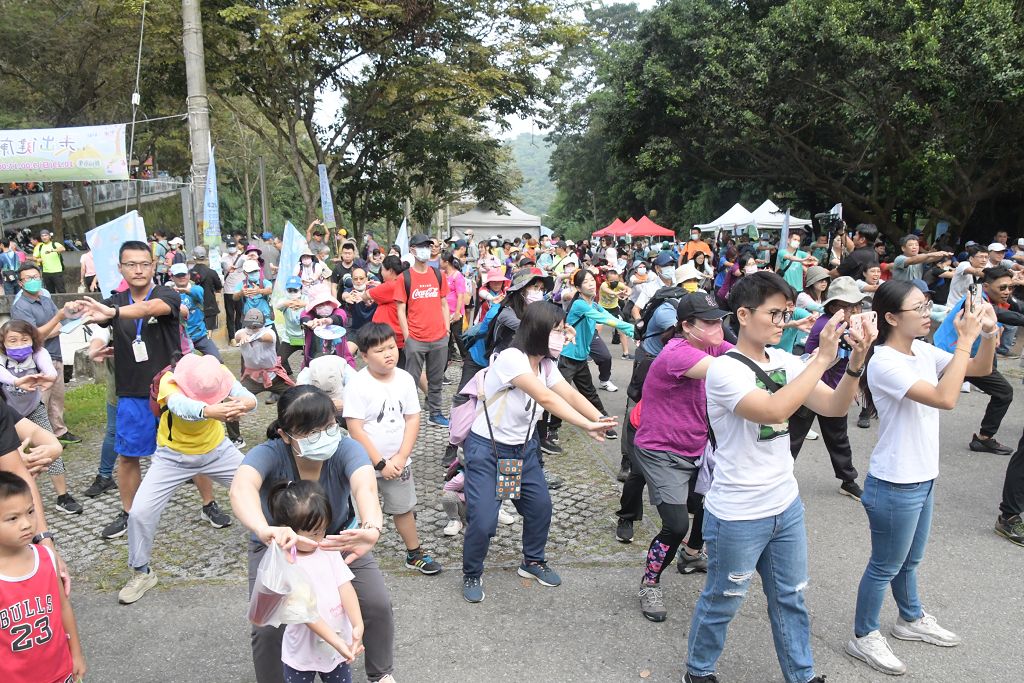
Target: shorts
{"points": [[136, 428], [668, 475], [399, 494]]}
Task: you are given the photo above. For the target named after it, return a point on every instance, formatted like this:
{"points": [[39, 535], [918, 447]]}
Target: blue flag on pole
{"points": [[326, 201], [211, 207], [105, 242]]}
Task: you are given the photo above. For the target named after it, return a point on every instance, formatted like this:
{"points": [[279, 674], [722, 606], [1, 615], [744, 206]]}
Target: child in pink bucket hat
{"points": [[195, 398]]}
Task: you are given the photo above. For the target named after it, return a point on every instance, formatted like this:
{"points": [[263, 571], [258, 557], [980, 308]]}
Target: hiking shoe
{"points": [[553, 436], [652, 602], [116, 528], [818, 679], [611, 434], [473, 588], [136, 587], [239, 443], [68, 438], [452, 528], [627, 356], [1012, 528], [68, 504], [550, 447], [710, 678], [439, 420], [608, 386], [851, 489], [688, 564], [989, 445], [864, 422], [212, 513], [553, 481], [422, 562], [505, 517], [873, 649], [100, 485], [624, 531], [925, 629], [544, 574]]}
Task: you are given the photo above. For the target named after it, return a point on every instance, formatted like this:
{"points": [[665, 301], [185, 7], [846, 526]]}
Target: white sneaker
{"points": [[388, 678], [874, 650], [925, 629], [608, 386], [965, 388], [811, 435], [452, 528], [136, 587], [504, 517]]}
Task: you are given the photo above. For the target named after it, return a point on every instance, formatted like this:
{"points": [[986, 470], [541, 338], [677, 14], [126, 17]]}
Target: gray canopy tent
{"points": [[486, 223]]}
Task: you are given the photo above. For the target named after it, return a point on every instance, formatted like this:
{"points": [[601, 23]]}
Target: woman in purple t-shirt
{"points": [[671, 438]]}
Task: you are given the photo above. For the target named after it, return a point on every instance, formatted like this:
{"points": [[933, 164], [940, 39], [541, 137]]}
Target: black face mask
{"points": [[614, 285]]}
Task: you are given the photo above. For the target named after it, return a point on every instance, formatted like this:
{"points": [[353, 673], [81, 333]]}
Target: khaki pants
{"points": [[54, 400]]}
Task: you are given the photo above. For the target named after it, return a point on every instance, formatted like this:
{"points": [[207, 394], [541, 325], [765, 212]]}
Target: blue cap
{"points": [[922, 285], [267, 235], [664, 259], [294, 282]]}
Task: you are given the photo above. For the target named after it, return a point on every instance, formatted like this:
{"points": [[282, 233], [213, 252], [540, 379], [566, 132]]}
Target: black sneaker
{"points": [[1011, 528], [624, 531], [553, 481], [239, 443], [550, 447], [68, 504], [68, 437], [710, 678], [851, 489], [818, 679], [611, 434], [116, 528], [421, 562], [864, 422], [212, 513], [100, 485], [553, 437], [989, 445]]}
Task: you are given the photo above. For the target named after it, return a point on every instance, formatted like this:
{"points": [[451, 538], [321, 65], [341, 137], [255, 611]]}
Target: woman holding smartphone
{"points": [[909, 381]]}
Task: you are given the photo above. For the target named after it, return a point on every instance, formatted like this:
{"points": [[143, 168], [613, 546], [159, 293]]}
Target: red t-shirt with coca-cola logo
{"points": [[423, 304]]}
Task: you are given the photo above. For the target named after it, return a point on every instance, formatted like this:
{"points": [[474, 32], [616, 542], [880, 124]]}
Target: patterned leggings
{"points": [[39, 417], [342, 674]]}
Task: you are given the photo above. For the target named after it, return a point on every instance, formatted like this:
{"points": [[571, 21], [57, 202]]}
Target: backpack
{"points": [[462, 416], [407, 279], [476, 338], [154, 404], [672, 294]]}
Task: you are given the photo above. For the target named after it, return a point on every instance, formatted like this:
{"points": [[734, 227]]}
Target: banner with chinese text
{"points": [[51, 154]]}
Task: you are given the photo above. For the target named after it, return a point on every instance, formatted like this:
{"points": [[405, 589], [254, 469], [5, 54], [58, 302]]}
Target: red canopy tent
{"points": [[648, 228], [609, 229]]}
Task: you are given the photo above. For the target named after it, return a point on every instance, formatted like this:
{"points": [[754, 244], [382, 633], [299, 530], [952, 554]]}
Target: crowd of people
{"points": [[753, 341]]}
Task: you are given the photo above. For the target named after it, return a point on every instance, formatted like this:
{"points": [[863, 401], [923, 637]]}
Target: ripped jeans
{"points": [[776, 548]]}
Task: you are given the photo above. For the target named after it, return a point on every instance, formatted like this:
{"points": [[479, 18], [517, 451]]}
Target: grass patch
{"points": [[85, 409]]}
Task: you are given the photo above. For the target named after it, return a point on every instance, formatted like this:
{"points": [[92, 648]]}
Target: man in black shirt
{"points": [[145, 330], [343, 269], [210, 281], [863, 255]]}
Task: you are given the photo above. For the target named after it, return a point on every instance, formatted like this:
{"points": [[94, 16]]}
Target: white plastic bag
{"points": [[283, 592]]}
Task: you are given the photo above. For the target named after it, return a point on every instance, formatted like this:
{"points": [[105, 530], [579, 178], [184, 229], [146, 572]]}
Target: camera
{"points": [[830, 223]]}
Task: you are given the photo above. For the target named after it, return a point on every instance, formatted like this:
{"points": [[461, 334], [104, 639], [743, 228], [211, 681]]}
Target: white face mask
{"points": [[533, 295], [324, 311], [641, 271], [421, 253], [668, 273], [750, 268]]}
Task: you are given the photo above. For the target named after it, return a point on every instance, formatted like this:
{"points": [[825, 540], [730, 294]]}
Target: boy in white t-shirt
{"points": [[382, 410], [754, 518]]}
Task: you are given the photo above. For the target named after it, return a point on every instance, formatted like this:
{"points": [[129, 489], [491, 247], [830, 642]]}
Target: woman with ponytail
{"points": [[671, 439], [909, 381]]}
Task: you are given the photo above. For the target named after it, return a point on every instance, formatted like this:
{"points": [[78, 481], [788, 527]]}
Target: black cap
{"points": [[460, 243], [700, 305], [417, 240]]}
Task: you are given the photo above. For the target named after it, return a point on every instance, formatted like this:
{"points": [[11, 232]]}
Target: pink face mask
{"points": [[711, 337], [750, 268], [556, 340]]}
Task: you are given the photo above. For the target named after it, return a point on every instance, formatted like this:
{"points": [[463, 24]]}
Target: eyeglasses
{"points": [[132, 265], [314, 436], [923, 309], [779, 317]]}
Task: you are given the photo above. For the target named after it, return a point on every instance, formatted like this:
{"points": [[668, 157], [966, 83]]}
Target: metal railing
{"points": [[30, 208]]}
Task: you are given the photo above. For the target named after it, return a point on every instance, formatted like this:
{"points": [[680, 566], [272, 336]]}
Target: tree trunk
{"points": [[57, 211], [87, 195], [247, 193]]}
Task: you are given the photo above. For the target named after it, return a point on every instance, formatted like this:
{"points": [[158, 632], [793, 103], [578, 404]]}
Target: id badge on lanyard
{"points": [[139, 346]]}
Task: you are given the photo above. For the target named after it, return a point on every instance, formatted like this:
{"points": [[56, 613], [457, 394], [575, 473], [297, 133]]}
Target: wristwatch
{"points": [[854, 373], [381, 464], [42, 536]]}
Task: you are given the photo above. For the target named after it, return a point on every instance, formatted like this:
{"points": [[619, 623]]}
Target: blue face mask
{"points": [[253, 277], [320, 445], [32, 286]]}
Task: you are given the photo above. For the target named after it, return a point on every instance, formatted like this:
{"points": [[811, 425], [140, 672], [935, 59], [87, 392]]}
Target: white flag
{"points": [[402, 239]]}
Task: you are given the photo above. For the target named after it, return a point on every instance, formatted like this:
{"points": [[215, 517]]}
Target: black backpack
{"points": [[671, 294]]}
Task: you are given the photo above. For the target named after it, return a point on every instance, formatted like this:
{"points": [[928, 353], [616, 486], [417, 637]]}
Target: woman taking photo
{"points": [[306, 443], [909, 381], [521, 382], [672, 437], [584, 315]]}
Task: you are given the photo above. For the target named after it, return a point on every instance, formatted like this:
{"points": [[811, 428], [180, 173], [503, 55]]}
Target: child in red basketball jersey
{"points": [[38, 636]]}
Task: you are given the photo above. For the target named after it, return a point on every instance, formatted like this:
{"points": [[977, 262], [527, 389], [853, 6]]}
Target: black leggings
{"points": [[285, 351], [577, 373], [675, 522]]}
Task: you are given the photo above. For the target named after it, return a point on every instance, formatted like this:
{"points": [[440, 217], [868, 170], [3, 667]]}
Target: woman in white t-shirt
{"points": [[519, 385], [909, 381]]}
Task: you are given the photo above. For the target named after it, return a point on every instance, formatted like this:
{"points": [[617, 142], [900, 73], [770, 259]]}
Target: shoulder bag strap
{"points": [[768, 382]]}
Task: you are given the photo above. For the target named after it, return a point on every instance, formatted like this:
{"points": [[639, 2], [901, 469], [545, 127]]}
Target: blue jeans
{"points": [[776, 548], [482, 502], [108, 456], [900, 517]]}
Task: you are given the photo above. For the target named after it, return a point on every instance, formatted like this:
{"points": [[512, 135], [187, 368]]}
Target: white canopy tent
{"points": [[735, 217], [486, 223], [769, 217]]}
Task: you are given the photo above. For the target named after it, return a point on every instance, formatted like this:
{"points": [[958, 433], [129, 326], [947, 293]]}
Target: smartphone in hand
{"points": [[864, 323]]}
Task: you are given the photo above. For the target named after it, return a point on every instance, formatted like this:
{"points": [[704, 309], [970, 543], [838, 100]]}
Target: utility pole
{"points": [[263, 196], [198, 108]]}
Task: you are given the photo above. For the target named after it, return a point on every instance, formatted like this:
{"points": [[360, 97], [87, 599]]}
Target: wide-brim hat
{"points": [[251, 266], [253, 247], [495, 275], [319, 299], [203, 378], [687, 272], [522, 278], [815, 274], [844, 289]]}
